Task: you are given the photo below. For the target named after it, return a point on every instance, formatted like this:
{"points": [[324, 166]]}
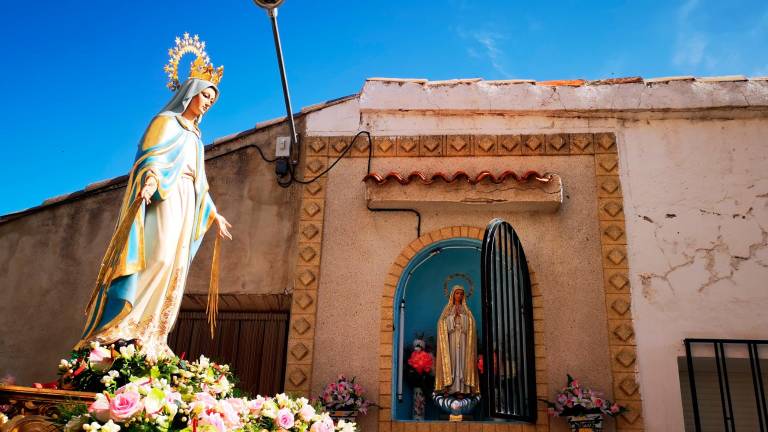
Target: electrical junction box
{"points": [[283, 146]]}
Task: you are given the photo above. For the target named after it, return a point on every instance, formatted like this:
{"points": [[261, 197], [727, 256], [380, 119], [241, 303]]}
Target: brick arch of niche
{"points": [[386, 341]]}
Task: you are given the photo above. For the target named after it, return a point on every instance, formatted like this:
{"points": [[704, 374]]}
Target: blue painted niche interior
{"points": [[421, 286]]}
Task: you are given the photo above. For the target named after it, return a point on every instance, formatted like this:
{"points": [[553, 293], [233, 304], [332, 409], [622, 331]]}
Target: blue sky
{"points": [[85, 77]]}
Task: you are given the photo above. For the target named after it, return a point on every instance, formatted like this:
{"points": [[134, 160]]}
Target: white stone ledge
{"points": [[484, 96]]}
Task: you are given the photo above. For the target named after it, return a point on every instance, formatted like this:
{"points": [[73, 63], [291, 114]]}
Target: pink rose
{"points": [[285, 418], [205, 398], [99, 409], [172, 397], [100, 358], [307, 412], [229, 415], [254, 405], [213, 420], [238, 405], [125, 405], [324, 425]]}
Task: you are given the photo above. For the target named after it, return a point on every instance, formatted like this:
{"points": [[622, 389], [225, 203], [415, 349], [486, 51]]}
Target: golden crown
{"points": [[201, 68]]}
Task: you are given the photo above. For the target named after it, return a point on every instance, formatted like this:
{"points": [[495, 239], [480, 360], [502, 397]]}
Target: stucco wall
{"points": [[359, 246], [49, 258], [696, 205]]}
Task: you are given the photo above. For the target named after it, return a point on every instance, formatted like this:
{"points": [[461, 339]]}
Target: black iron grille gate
{"points": [[509, 378], [731, 372]]}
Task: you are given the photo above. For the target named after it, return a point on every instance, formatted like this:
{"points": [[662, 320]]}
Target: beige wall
{"points": [[49, 258], [359, 246], [699, 273], [696, 203]]}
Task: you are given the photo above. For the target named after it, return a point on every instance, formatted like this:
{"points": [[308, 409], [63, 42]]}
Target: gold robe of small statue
{"points": [[456, 371]]}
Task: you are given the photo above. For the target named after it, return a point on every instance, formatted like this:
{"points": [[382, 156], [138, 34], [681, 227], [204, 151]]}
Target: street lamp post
{"points": [[271, 7]]}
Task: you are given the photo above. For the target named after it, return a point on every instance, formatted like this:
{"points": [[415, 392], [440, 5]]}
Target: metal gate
{"points": [[730, 373], [509, 377]]}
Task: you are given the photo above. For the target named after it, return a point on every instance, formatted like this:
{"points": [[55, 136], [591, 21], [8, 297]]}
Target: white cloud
{"points": [[485, 45], [690, 49], [691, 46]]}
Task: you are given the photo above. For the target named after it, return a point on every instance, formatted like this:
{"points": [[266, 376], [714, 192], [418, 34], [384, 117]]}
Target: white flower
{"points": [[92, 427], [269, 409], [107, 380], [162, 421], [204, 362], [65, 365], [344, 426], [114, 373], [95, 345], [283, 401], [128, 351], [110, 426], [221, 386]]}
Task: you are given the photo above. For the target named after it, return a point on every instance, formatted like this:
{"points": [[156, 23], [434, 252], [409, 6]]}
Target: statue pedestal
{"points": [[456, 407], [33, 409]]}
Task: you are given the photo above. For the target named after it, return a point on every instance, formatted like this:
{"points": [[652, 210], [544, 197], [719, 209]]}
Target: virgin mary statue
{"points": [[165, 212], [455, 371]]}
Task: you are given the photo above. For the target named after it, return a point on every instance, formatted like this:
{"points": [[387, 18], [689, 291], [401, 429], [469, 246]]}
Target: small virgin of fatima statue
{"points": [[166, 210], [455, 371]]}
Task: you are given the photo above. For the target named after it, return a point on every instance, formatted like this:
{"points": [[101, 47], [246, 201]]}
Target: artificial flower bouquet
{"points": [[575, 400], [420, 367], [345, 395], [166, 394], [99, 368]]}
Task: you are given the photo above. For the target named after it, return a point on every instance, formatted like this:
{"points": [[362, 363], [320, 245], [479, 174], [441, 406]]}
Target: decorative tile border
{"points": [[618, 303], [386, 424], [603, 147], [301, 333], [603, 144]]}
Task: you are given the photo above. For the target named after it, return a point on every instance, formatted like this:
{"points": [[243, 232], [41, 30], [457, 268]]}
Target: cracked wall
{"points": [[696, 205]]}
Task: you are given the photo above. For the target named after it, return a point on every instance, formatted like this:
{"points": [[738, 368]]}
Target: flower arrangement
{"points": [[345, 395], [575, 400], [165, 394], [99, 368], [420, 368]]}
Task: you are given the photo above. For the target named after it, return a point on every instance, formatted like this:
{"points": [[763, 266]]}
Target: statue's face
{"points": [[458, 297], [202, 102]]}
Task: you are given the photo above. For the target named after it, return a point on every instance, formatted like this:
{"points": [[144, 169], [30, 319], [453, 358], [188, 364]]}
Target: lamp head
{"points": [[268, 4]]}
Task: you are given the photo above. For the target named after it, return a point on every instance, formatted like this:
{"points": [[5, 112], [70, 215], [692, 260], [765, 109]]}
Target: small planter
{"points": [[586, 423], [346, 415]]}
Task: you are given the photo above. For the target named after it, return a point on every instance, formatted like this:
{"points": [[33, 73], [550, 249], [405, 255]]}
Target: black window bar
{"points": [[724, 385], [509, 374]]}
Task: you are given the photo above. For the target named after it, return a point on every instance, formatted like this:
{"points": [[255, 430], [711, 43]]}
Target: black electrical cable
{"points": [[343, 153], [368, 205], [292, 172]]}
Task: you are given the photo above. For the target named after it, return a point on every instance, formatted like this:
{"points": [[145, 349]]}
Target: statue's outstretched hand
{"points": [[223, 227], [149, 189]]}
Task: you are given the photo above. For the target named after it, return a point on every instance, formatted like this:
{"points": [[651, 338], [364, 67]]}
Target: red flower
{"points": [[421, 361]]}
